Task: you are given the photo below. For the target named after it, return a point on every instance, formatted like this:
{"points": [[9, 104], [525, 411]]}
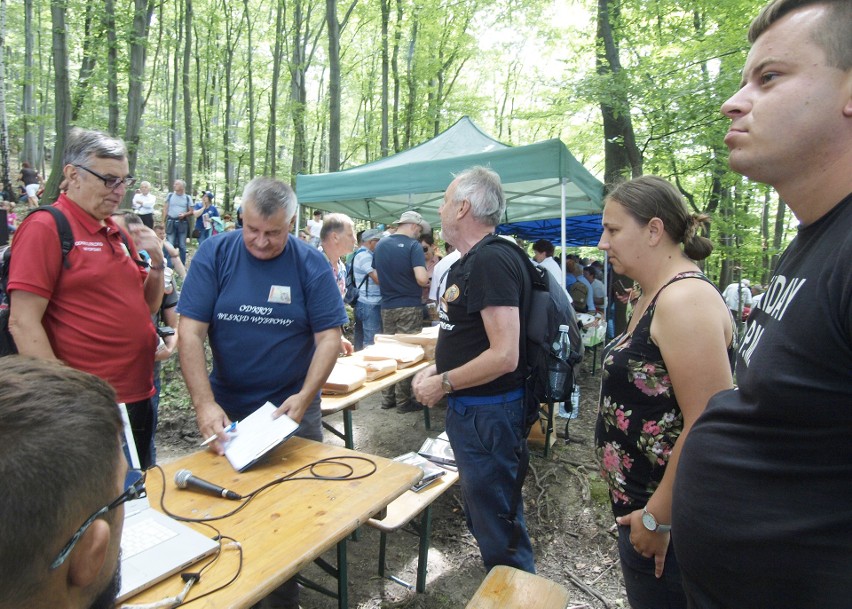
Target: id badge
{"points": [[279, 294]]}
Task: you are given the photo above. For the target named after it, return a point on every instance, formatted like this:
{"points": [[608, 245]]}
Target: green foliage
{"points": [[522, 69]]}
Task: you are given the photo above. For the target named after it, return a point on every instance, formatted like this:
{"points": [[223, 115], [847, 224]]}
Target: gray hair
{"points": [[269, 195], [181, 182], [144, 183], [335, 223], [482, 188], [83, 144]]}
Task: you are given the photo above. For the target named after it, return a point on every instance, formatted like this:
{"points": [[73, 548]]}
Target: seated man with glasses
{"points": [[92, 307], [63, 472]]}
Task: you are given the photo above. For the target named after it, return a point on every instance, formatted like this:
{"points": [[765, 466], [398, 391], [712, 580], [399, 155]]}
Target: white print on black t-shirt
{"points": [[775, 302]]}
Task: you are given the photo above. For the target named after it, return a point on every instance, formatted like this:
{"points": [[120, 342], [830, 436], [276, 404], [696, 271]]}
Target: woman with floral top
{"points": [[657, 376]]}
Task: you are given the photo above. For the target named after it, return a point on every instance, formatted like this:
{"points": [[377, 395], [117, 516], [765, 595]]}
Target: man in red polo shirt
{"points": [[94, 312]]}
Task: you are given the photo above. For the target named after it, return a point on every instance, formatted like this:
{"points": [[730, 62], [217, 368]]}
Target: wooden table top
{"points": [[285, 527], [336, 403]]}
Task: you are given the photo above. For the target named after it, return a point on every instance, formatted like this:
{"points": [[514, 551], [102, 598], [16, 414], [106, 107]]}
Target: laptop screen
{"points": [[129, 445]]}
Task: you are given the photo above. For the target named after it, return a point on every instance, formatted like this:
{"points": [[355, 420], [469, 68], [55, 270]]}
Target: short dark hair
{"points": [[426, 238], [60, 447], [648, 197], [543, 245], [832, 36]]}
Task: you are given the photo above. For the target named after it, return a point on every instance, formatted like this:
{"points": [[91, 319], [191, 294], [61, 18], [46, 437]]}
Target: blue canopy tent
{"points": [[579, 230]]}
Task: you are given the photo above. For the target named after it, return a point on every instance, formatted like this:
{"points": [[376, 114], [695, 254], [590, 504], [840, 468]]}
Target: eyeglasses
{"points": [[136, 490], [111, 183], [425, 248]]}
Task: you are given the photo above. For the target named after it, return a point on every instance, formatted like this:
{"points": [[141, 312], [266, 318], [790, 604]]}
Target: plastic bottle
{"points": [[575, 402], [559, 368]]}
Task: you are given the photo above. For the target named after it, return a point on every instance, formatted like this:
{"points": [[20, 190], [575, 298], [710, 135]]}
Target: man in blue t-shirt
{"points": [[401, 267], [272, 313], [263, 300]]}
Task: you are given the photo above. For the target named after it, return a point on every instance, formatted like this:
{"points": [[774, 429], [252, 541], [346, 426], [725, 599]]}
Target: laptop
{"points": [[153, 546]]}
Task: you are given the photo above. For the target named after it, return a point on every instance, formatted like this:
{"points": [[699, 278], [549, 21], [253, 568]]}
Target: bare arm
{"points": [[325, 355], [422, 276], [692, 328], [209, 415], [503, 328], [26, 327]]}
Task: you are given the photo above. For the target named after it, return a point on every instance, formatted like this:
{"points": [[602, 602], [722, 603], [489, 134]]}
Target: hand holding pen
{"points": [[230, 428]]}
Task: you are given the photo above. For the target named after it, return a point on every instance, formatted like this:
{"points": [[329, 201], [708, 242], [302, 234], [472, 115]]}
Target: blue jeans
{"points": [[368, 323], [487, 436], [644, 590], [176, 234], [204, 234]]}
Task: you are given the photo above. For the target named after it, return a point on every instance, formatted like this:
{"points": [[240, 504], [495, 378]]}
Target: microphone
{"points": [[185, 479]]}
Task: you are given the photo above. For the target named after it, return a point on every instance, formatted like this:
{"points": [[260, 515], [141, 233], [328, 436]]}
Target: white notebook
{"points": [[256, 435]]}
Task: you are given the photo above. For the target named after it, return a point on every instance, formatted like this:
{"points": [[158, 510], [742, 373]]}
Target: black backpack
{"points": [[352, 290], [66, 241], [545, 308]]}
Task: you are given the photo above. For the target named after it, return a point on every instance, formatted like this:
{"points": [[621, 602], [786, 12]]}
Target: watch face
{"points": [[649, 521]]}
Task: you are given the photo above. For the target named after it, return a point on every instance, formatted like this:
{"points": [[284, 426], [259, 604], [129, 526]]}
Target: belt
{"points": [[461, 403]]}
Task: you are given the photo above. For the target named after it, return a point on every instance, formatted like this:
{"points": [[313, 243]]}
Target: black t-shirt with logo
{"points": [[762, 513], [484, 277]]}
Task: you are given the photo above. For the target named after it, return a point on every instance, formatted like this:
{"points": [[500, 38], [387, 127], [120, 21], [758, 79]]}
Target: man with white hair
{"points": [[480, 367]]}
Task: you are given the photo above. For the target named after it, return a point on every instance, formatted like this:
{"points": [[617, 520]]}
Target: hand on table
{"points": [[213, 420]]}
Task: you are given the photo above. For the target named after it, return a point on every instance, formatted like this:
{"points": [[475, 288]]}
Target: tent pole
{"points": [[564, 186]]}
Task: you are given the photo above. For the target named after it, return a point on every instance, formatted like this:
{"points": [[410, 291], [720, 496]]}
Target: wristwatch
{"points": [[651, 523], [446, 385]]}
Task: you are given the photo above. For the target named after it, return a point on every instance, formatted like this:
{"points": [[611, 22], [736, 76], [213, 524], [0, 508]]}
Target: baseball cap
{"points": [[370, 234], [412, 217]]}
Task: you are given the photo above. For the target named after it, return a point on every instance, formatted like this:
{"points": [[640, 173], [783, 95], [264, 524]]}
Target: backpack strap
{"points": [[63, 228]]}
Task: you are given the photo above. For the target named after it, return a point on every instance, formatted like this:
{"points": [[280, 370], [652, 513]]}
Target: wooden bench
{"points": [[510, 588], [401, 512]]}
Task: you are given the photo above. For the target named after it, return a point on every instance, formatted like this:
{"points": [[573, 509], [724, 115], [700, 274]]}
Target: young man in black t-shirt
{"points": [[761, 513]]}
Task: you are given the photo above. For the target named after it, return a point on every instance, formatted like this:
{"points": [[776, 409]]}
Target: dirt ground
{"points": [[566, 507]]}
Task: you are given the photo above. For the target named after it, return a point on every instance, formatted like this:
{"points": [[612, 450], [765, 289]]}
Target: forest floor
{"points": [[567, 511]]}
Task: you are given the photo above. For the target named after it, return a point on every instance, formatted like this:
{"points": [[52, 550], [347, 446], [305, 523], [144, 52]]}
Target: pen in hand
{"points": [[228, 429]]}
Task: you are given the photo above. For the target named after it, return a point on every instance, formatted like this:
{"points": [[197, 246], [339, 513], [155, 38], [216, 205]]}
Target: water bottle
{"points": [[575, 402], [559, 368]]}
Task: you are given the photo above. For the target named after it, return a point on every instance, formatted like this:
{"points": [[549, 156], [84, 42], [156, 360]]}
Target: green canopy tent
{"points": [[541, 180]]}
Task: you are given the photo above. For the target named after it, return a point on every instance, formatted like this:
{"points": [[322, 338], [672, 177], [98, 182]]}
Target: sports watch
{"points": [[446, 385], [651, 523]]}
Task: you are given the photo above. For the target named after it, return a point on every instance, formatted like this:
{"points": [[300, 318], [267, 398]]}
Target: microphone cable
{"points": [[314, 469]]}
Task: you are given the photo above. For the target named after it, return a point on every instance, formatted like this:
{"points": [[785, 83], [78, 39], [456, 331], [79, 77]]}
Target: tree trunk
{"points": [[31, 152], [5, 181], [778, 237], [87, 65], [143, 9], [187, 101], [112, 66], [62, 96], [410, 104], [298, 92], [397, 37], [333, 85], [173, 173], [251, 111], [621, 155], [385, 75], [277, 59]]}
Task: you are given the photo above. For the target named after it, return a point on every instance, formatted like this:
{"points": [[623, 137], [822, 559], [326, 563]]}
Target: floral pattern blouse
{"points": [[639, 419]]}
